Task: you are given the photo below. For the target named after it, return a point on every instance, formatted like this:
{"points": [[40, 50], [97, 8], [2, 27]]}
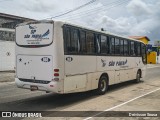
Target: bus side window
{"points": [[90, 43], [108, 45], [117, 46], [67, 39], [126, 51], [122, 47], [74, 44], [135, 48], [138, 47], [132, 50], [104, 46], [83, 48], [143, 51], [112, 45], [97, 42]]}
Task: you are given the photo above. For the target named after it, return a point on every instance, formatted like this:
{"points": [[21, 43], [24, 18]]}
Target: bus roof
{"points": [[68, 23]]}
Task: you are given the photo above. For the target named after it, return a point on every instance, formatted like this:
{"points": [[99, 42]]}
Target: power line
{"points": [[66, 11], [104, 9], [77, 8], [97, 8], [85, 13]]}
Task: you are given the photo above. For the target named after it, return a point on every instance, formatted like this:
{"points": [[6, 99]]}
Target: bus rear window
{"points": [[34, 35]]}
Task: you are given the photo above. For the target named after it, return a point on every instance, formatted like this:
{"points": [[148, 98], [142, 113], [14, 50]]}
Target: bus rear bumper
{"points": [[50, 87]]}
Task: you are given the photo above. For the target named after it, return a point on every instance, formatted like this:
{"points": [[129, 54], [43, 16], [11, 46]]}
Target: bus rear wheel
{"points": [[138, 76], [102, 85]]}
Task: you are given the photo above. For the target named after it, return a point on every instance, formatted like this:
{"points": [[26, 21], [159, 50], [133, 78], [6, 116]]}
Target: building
{"points": [[10, 21], [152, 53], [144, 39], [7, 55], [7, 38], [8, 24]]}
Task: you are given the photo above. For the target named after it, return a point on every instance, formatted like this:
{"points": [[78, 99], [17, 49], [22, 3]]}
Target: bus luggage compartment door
{"points": [[34, 67]]}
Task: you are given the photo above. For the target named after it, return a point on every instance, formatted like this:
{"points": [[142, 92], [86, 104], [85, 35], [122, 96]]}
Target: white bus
{"points": [[59, 57]]}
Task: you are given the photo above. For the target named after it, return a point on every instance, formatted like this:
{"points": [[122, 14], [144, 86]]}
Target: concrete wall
{"points": [[7, 55]]}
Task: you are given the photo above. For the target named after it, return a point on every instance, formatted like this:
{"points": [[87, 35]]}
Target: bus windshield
{"points": [[34, 35]]}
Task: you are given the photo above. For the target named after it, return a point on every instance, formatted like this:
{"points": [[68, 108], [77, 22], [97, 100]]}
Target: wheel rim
{"points": [[103, 85]]}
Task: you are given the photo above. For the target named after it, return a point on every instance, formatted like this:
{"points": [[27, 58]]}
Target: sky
{"points": [[122, 17]]}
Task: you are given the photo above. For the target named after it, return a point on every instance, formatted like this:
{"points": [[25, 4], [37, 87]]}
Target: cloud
{"points": [[139, 8], [48, 8], [39, 9], [143, 20], [136, 18], [147, 16], [38, 5]]}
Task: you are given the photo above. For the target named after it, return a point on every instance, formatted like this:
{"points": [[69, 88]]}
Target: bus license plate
{"points": [[33, 88]]}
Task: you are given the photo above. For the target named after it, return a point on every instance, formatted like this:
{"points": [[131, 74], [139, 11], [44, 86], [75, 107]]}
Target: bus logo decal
{"points": [[103, 63], [118, 63], [35, 35], [69, 59], [32, 27], [46, 34], [121, 63], [46, 59]]}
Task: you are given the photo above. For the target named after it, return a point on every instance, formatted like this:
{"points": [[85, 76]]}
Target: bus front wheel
{"points": [[102, 85]]}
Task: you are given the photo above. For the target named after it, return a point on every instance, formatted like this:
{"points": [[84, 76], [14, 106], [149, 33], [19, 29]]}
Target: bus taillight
{"points": [[56, 74], [56, 70]]}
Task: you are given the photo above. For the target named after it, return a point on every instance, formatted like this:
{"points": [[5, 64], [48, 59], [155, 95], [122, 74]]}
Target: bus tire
{"points": [[102, 85], [138, 76]]}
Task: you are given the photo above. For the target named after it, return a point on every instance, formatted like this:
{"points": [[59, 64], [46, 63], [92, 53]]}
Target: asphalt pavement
{"points": [[126, 96]]}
